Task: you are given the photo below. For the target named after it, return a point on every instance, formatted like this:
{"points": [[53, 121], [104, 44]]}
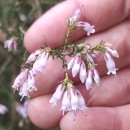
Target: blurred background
{"points": [[16, 16]]}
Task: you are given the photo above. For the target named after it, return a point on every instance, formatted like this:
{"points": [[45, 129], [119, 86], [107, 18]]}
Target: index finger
{"points": [[52, 26]]}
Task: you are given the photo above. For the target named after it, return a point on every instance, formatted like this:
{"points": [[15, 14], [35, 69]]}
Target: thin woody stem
{"points": [[64, 49], [67, 36], [65, 68]]}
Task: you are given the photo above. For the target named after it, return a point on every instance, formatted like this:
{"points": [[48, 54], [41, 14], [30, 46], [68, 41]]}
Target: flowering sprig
{"points": [[72, 98], [11, 45], [82, 63], [3, 109]]}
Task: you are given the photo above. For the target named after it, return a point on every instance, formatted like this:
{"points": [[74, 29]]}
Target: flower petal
{"points": [[82, 73], [76, 66]]}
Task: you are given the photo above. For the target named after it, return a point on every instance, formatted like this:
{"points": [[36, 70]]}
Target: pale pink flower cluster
{"points": [[39, 59], [3, 109], [40, 63], [72, 98], [25, 81], [72, 101], [86, 75], [73, 22], [87, 70], [109, 52], [11, 45], [34, 56], [57, 95]]}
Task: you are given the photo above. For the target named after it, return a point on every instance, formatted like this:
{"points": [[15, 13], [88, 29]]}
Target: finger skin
{"points": [[47, 81], [98, 118], [42, 114], [52, 26]]}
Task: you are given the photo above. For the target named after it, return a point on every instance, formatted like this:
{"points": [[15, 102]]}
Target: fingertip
{"points": [[96, 119], [42, 114]]}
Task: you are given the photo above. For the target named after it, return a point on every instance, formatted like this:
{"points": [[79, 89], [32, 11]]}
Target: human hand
{"points": [[109, 103]]}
